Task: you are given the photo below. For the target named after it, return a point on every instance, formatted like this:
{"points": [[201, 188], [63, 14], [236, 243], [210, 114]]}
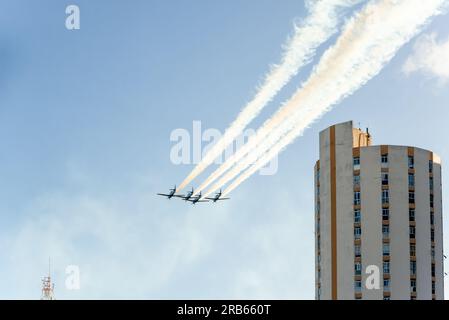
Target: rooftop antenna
{"points": [[47, 286]]}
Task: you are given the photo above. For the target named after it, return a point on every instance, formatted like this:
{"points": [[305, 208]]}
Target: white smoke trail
{"points": [[267, 128], [359, 54], [318, 27]]}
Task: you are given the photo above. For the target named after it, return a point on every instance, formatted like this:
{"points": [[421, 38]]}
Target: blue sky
{"points": [[85, 123]]}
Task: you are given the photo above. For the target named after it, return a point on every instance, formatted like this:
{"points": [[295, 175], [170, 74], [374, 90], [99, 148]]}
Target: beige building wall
{"points": [[335, 224], [371, 209], [399, 223], [344, 212], [422, 212], [439, 261], [325, 223]]}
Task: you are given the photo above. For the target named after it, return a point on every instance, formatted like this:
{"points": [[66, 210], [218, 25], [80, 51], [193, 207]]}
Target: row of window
{"points": [[386, 232], [432, 229], [385, 198], [357, 236], [412, 235], [385, 180], [386, 235], [384, 160]]}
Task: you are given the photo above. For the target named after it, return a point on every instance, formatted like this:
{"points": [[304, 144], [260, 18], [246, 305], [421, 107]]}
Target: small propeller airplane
{"points": [[217, 197], [171, 194], [197, 199], [188, 195]]}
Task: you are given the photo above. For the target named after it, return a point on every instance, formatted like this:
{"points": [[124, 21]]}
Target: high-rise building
{"points": [[378, 219]]}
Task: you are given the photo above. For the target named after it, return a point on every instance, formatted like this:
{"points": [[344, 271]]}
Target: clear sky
{"points": [[85, 124]]}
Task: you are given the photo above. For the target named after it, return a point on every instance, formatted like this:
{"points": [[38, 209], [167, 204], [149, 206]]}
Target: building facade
{"points": [[378, 219]]}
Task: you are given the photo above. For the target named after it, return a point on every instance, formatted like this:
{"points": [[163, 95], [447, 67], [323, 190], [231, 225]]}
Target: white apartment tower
{"points": [[378, 215]]}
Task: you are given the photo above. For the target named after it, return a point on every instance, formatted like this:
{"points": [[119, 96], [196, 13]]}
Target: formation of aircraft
{"points": [[189, 197]]}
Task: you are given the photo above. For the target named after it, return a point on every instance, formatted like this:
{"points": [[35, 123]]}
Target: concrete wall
{"points": [[422, 217], [399, 223], [371, 208], [325, 223], [345, 212], [439, 264]]}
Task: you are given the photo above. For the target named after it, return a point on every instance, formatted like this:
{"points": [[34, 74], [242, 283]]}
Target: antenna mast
{"points": [[47, 286]]}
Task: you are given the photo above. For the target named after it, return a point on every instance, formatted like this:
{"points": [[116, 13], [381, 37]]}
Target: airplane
{"points": [[188, 196], [217, 197], [197, 199], [171, 194]]}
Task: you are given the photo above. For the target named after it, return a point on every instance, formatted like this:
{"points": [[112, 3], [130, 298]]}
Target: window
{"points": [[357, 232], [431, 200], [318, 176], [432, 235], [413, 285], [357, 198], [412, 232], [386, 284], [385, 196], [411, 162], [358, 286], [433, 270], [386, 231], [358, 268], [385, 179], [432, 218], [433, 287], [431, 183], [411, 214], [356, 161], [413, 268], [357, 250], [357, 181], [386, 267], [411, 197], [386, 298], [357, 216], [385, 214], [386, 249], [411, 180], [432, 252], [430, 166], [412, 250], [384, 158]]}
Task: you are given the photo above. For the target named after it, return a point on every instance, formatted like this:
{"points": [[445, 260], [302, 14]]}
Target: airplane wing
{"points": [[179, 196], [162, 194], [224, 198]]}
